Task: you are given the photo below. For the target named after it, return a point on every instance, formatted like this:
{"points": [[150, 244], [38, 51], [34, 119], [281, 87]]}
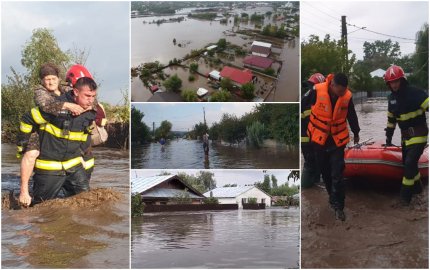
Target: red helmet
{"points": [[316, 78], [75, 73], [394, 73]]}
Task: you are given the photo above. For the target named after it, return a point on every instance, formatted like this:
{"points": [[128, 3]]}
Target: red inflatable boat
{"points": [[373, 160]]}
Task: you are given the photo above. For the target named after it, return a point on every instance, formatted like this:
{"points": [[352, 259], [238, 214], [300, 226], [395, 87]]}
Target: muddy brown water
{"points": [[152, 42], [90, 230], [217, 239], [188, 154], [378, 233]]}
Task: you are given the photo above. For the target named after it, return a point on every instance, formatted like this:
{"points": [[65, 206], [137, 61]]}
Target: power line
{"points": [[319, 10], [318, 15], [378, 33]]}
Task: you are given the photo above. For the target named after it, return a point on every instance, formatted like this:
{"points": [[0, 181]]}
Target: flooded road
{"points": [[188, 154], [378, 233], [90, 230], [151, 42], [217, 239]]}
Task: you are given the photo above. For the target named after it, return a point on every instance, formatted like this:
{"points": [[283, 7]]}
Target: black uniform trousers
{"points": [[311, 171], [332, 164], [47, 186]]}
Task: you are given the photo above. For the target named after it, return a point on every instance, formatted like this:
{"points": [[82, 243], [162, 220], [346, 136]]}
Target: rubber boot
{"points": [[406, 193], [340, 215], [307, 178], [418, 187]]}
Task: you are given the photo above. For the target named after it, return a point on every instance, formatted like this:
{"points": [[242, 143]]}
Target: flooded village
{"points": [[215, 51], [214, 219]]}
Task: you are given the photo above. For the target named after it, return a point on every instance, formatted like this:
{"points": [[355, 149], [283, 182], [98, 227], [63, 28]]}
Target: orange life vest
{"points": [[324, 121]]}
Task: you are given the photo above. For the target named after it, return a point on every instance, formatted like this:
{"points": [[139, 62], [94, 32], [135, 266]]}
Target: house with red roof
{"points": [[238, 77], [257, 62]]}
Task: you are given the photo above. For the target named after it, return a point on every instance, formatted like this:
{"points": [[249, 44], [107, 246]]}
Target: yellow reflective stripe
{"points": [[104, 122], [417, 177], [89, 164], [390, 115], [304, 139], [407, 116], [391, 125], [19, 148], [57, 165], [24, 127], [408, 182], [414, 140], [57, 132], [37, 117], [425, 104], [305, 113]]}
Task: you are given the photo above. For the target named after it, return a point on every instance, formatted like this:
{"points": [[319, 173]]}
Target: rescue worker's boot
{"points": [[307, 178], [418, 186], [340, 215], [406, 193]]}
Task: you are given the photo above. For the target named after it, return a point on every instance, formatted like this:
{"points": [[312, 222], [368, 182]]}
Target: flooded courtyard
{"points": [[189, 154], [217, 239], [90, 230]]}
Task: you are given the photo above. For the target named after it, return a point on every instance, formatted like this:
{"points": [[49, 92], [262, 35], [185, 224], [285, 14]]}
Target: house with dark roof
{"points": [[239, 195], [258, 62], [261, 48], [164, 189], [238, 77]]}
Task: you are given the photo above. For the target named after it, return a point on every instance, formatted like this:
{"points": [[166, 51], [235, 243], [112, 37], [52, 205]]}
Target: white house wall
{"points": [[254, 193]]}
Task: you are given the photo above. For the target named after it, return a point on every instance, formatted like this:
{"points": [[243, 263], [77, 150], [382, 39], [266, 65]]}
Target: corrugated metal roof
{"points": [[140, 184], [228, 192], [262, 44], [258, 61], [168, 193]]}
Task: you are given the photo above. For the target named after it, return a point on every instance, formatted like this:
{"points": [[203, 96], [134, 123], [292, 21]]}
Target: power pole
{"points": [[204, 116], [344, 42], [153, 129]]}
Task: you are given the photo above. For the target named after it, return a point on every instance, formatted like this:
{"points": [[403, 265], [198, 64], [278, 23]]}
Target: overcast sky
{"points": [[184, 116], [223, 177], [100, 27], [397, 18]]}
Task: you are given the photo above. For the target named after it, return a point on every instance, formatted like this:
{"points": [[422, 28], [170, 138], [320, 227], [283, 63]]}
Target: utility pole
{"points": [[344, 42], [153, 129], [204, 116]]}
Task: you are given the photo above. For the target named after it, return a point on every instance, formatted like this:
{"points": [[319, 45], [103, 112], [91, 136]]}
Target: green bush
{"points": [[191, 78], [210, 200], [189, 95], [220, 96], [252, 200], [248, 91], [255, 134], [136, 205]]}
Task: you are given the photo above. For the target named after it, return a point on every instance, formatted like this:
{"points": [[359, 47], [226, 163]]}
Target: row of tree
{"points": [[326, 56]]}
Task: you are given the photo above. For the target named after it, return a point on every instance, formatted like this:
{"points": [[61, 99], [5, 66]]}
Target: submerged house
{"points": [[164, 189], [237, 76], [258, 62], [239, 195], [259, 48]]}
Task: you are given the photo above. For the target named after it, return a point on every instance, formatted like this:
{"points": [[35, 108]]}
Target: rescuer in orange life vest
{"points": [[311, 172], [331, 107], [407, 106]]}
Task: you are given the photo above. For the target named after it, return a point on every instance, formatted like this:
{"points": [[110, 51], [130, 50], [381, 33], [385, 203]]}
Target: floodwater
{"points": [[217, 239], [378, 233], [151, 42], [90, 230], [189, 154]]}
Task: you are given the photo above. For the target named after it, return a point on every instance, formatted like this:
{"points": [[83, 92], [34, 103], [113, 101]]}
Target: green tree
{"points": [[189, 95], [222, 43], [255, 134], [232, 129], [174, 83], [163, 131], [194, 67], [140, 132], [198, 130], [420, 74], [295, 175], [136, 205], [248, 91], [226, 83], [266, 184], [323, 56], [42, 48], [380, 53], [182, 197], [274, 182], [221, 96]]}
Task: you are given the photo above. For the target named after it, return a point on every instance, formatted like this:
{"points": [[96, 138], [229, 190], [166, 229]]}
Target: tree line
{"points": [[325, 56]]}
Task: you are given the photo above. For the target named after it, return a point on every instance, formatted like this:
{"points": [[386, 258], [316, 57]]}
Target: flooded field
{"points": [[90, 230], [378, 233], [217, 239], [188, 154], [151, 42]]}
